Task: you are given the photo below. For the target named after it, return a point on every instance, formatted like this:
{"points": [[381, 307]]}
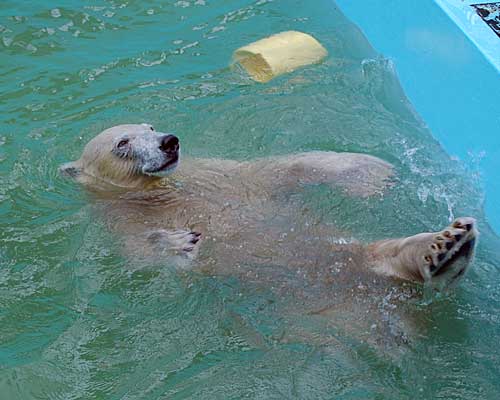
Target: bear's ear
{"points": [[71, 169]]}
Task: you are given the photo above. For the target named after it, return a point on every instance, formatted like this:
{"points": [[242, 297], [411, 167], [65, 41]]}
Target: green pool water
{"points": [[78, 320]]}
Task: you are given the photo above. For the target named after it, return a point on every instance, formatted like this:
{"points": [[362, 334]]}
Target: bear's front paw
{"points": [[180, 241]]}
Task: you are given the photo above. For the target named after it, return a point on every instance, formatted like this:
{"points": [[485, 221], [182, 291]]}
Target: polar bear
{"points": [[233, 212]]}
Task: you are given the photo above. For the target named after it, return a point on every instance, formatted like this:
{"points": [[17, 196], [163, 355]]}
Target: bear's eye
{"points": [[122, 143], [151, 128]]}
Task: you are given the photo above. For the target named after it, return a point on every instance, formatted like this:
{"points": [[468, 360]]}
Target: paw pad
{"points": [[464, 223]]}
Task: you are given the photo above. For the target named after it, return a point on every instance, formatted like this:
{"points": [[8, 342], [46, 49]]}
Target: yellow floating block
{"points": [[279, 54]]}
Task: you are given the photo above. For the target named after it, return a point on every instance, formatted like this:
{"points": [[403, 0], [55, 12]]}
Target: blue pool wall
{"points": [[451, 84]]}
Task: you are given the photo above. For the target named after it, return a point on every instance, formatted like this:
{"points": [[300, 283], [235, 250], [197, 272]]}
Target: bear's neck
{"points": [[136, 183]]}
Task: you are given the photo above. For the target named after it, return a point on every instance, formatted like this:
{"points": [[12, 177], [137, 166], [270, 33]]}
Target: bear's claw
{"points": [[179, 240]]}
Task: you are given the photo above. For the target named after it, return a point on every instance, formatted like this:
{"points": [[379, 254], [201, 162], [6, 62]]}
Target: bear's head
{"points": [[126, 156]]}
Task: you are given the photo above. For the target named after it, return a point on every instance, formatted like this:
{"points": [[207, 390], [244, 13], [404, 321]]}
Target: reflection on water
{"points": [[79, 320]]}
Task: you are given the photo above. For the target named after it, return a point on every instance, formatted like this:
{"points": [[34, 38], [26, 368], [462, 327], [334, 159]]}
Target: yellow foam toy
{"points": [[279, 54]]}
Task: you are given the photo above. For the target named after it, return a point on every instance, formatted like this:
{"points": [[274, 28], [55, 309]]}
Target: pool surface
{"points": [[448, 60], [79, 320]]}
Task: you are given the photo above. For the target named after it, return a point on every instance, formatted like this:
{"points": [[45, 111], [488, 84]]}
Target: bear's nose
{"points": [[169, 144]]}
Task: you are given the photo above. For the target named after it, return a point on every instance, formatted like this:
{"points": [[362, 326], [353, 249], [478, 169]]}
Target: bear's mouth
{"points": [[167, 166]]}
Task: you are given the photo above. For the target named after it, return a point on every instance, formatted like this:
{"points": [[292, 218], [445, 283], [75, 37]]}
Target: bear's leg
{"points": [[439, 258]]}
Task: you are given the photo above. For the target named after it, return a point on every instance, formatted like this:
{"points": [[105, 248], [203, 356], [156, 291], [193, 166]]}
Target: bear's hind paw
{"points": [[455, 243]]}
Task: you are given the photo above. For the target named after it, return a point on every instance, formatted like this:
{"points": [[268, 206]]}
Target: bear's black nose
{"points": [[169, 144]]}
